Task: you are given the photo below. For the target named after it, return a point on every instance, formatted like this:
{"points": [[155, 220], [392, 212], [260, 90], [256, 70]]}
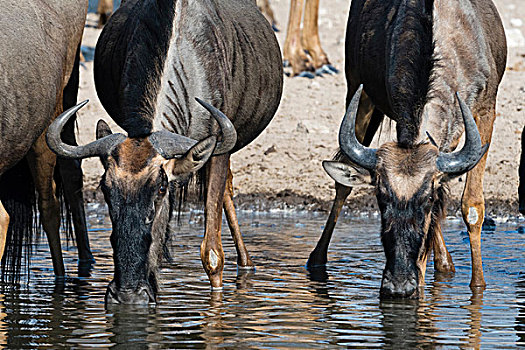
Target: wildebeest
{"points": [[430, 66], [152, 60], [39, 51]]}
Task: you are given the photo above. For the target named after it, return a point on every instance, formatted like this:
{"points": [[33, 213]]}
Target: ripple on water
{"points": [[280, 305]]}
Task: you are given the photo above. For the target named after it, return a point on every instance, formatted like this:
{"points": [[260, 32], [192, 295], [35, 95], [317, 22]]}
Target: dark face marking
{"points": [[406, 189], [135, 187]]}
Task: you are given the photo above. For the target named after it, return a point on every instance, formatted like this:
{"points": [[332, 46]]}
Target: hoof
{"points": [[318, 273], [316, 261], [326, 69], [331, 69], [306, 74]]}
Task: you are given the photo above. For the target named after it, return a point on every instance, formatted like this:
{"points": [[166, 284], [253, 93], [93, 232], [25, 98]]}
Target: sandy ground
{"points": [[282, 167]]}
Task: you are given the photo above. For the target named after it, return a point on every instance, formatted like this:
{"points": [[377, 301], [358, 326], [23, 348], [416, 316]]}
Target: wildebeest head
{"points": [[409, 192], [136, 186]]}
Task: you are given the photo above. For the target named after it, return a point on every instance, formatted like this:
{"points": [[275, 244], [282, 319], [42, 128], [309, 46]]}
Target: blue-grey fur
{"points": [[147, 79]]}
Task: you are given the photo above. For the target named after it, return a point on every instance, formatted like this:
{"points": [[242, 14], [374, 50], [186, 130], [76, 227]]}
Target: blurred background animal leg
{"points": [[104, 10], [310, 39], [293, 51], [266, 9]]}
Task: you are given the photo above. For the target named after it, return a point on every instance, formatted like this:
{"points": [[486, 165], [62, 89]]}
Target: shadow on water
{"points": [[280, 304]]}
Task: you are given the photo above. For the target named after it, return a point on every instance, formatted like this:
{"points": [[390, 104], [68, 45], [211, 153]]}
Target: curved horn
{"points": [[363, 156], [96, 148], [171, 145], [229, 135], [465, 159]]}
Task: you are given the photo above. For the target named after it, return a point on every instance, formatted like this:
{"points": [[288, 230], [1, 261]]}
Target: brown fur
{"points": [[134, 154], [133, 165]]}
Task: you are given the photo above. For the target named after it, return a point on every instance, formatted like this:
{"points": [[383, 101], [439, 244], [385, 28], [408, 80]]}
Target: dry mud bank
{"points": [[282, 167]]}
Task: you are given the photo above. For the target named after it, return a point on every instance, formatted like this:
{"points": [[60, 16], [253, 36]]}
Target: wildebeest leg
{"points": [[293, 52], [212, 255], [442, 259], [473, 201], [4, 225], [243, 257], [71, 173], [368, 121], [318, 257], [42, 163]]}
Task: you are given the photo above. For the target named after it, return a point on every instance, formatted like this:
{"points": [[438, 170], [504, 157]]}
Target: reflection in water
{"points": [[474, 318], [520, 318], [130, 325], [401, 323], [280, 304], [3, 326]]}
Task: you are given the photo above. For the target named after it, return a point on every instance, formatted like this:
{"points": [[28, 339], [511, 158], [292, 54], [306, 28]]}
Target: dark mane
{"points": [[147, 26], [409, 70]]}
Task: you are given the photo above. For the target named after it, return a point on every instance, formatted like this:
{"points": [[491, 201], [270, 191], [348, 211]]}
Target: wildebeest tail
{"points": [[17, 193], [409, 69]]}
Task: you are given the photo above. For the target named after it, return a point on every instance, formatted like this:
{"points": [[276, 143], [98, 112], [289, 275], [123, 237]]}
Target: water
{"points": [[279, 305]]}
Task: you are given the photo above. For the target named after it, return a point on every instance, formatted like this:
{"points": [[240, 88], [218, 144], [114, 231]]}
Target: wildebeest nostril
{"points": [[398, 287], [142, 295]]}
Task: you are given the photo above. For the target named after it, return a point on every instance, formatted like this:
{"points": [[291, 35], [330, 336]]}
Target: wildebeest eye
{"points": [[162, 189]]}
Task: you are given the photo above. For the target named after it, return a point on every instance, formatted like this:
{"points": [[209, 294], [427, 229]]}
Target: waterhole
{"points": [[279, 305]]}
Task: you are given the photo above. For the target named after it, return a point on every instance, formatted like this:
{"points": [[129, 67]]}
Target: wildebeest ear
{"points": [[195, 158], [347, 175], [103, 129]]}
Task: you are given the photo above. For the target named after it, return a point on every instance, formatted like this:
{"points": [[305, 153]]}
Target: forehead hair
{"points": [[134, 154], [132, 164], [406, 169]]}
